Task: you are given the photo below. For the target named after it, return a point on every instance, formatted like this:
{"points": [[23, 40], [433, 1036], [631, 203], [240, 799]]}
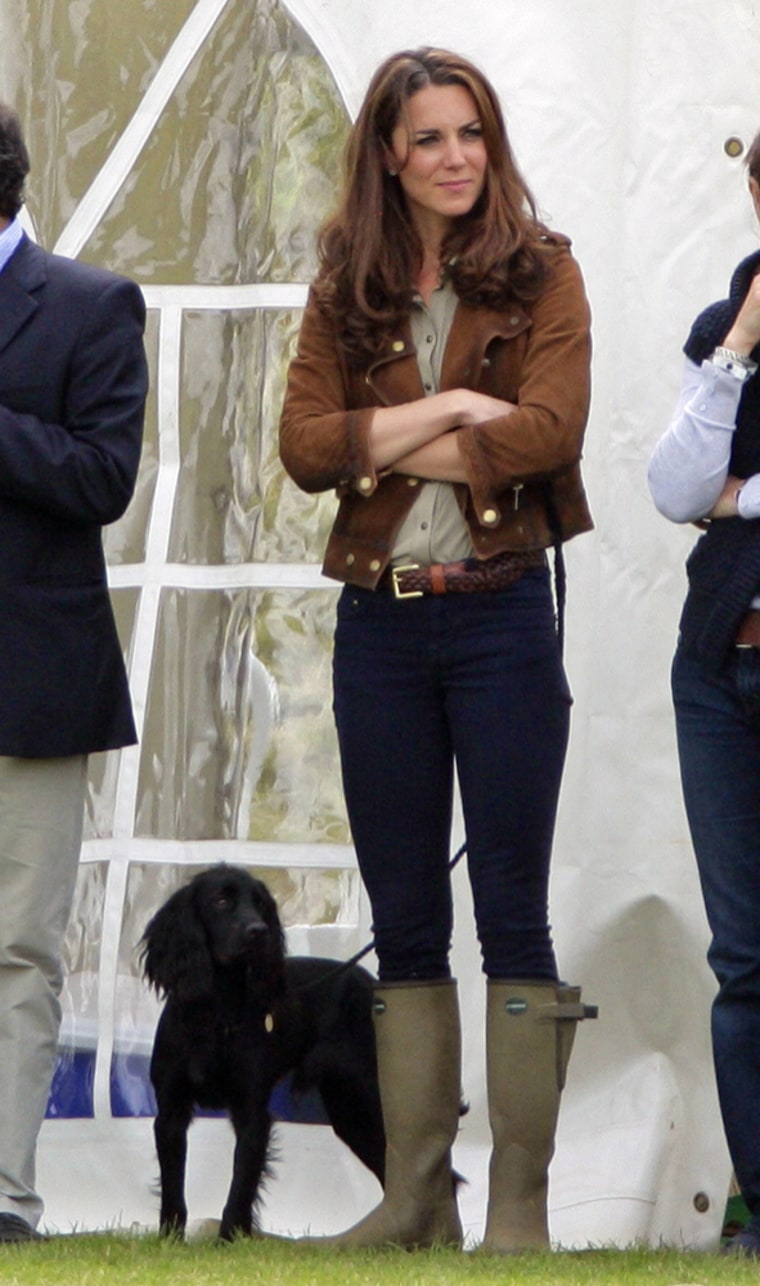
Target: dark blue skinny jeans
{"points": [[718, 725], [422, 684]]}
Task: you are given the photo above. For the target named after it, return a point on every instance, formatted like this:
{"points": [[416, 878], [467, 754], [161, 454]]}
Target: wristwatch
{"points": [[736, 364]]}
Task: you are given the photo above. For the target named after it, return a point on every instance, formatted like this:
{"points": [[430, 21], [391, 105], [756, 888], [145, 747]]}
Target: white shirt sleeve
{"points": [[749, 498], [689, 465]]}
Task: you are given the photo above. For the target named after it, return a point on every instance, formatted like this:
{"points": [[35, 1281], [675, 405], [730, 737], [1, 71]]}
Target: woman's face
{"points": [[440, 156]]}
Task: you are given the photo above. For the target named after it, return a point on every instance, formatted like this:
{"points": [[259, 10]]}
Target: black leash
{"points": [[560, 576], [345, 965]]}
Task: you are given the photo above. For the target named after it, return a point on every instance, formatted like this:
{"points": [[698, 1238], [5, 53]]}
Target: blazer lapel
{"points": [[20, 278]]}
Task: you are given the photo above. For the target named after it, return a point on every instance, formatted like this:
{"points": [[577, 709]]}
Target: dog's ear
{"points": [[174, 951], [270, 915]]}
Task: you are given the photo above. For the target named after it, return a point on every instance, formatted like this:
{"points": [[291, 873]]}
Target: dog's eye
{"points": [[222, 902]]}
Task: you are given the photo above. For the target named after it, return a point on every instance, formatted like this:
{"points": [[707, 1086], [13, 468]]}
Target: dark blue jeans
{"points": [[422, 684], [718, 724]]}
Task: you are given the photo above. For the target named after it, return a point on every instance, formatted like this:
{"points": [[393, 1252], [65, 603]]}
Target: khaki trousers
{"points": [[41, 815]]}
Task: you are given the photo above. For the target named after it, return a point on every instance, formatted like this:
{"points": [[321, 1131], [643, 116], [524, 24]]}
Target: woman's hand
{"points": [[398, 430], [745, 332], [439, 459], [479, 407], [726, 504]]}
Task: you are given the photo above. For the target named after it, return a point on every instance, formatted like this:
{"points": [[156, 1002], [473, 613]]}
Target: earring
{"points": [[392, 173]]}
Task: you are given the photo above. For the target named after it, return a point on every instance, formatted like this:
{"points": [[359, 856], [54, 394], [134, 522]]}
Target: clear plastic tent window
{"points": [[205, 181]]}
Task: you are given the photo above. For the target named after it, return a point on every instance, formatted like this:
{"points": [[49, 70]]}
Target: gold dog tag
{"points": [[269, 1023]]}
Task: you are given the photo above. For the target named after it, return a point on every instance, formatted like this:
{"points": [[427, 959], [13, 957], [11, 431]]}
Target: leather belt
{"points": [[466, 577], [748, 633]]}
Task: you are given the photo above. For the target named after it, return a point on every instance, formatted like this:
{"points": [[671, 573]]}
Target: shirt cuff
{"points": [[715, 401], [741, 368], [748, 502]]}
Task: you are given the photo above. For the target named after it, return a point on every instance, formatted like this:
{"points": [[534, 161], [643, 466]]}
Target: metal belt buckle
{"points": [[398, 592]]}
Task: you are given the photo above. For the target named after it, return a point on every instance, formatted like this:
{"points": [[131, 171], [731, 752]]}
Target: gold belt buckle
{"points": [[398, 592]]}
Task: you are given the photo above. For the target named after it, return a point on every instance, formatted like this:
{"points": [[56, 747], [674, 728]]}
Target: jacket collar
{"points": [[742, 277]]}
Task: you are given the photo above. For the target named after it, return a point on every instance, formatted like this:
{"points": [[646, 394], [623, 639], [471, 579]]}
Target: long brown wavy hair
{"points": [[369, 252]]}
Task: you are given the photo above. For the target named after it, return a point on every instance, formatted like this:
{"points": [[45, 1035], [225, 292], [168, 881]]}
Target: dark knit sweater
{"points": [[724, 566]]}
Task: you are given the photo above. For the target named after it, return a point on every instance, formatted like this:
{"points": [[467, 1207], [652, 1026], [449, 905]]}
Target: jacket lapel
{"points": [[394, 376], [472, 330], [23, 275]]}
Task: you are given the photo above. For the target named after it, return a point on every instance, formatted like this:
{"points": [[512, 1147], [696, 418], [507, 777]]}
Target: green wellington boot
{"points": [[530, 1029], [418, 1059]]}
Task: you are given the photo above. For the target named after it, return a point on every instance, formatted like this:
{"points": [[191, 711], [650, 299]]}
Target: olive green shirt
{"points": [[434, 530]]}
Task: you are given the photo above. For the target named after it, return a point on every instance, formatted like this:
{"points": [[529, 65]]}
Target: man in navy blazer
{"points": [[73, 382]]}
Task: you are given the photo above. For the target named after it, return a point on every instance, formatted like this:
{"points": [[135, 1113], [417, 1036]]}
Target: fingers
{"points": [[745, 332], [481, 406], [726, 506]]}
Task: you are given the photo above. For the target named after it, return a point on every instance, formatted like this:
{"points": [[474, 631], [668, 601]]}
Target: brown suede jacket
{"points": [[518, 466]]}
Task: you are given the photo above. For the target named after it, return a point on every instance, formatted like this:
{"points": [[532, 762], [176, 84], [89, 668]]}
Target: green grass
{"points": [[117, 1260]]}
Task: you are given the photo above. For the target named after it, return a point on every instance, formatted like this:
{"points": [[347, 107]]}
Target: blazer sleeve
{"points": [[544, 437], [82, 465]]}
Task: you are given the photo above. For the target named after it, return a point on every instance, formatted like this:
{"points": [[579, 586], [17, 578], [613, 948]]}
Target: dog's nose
{"points": [[253, 929]]}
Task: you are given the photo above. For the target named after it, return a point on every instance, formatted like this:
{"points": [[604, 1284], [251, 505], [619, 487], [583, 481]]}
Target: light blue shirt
{"points": [[9, 239], [689, 465]]}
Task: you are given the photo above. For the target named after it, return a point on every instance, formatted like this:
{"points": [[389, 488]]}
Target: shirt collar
{"points": [[9, 240]]}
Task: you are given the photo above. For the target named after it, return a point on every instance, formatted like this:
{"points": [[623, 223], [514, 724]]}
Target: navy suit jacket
{"points": [[73, 382]]}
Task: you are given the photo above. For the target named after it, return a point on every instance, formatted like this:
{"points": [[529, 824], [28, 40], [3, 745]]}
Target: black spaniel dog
{"points": [[239, 1016]]}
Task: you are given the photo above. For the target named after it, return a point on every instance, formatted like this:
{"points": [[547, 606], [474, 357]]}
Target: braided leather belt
{"points": [[748, 633], [465, 577]]}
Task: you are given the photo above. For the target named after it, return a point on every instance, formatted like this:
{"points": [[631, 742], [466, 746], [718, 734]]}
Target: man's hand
{"points": [[745, 332], [726, 504]]}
